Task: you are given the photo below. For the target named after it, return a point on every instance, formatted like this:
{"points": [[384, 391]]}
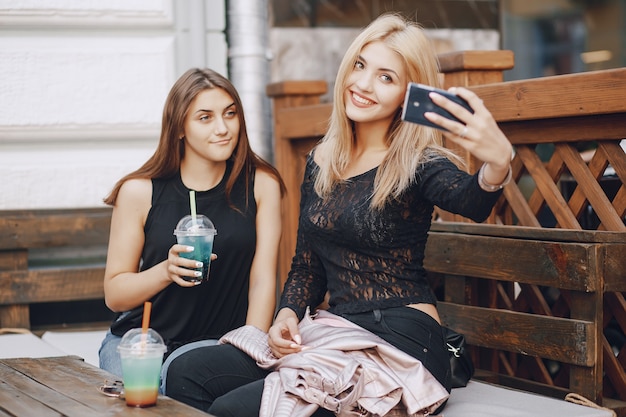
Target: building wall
{"points": [[84, 84], [315, 54], [82, 90]]}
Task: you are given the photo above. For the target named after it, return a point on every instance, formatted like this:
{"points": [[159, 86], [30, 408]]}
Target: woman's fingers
{"points": [[181, 270], [284, 337], [475, 102], [476, 132]]}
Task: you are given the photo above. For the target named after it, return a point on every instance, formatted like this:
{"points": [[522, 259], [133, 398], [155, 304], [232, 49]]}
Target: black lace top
{"points": [[374, 259]]}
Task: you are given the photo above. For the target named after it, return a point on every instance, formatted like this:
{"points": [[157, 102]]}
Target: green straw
{"points": [[192, 203]]}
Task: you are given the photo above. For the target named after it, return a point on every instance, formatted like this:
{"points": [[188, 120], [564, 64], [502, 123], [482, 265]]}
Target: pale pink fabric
{"points": [[346, 369]]}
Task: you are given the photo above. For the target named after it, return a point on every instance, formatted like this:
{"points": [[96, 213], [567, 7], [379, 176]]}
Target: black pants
{"points": [[226, 382]]}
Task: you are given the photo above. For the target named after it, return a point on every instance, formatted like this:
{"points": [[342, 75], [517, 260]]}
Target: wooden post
{"points": [[14, 315], [289, 153], [468, 68], [465, 69]]}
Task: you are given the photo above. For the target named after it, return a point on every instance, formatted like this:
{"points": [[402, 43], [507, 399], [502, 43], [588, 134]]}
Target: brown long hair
{"points": [[166, 160]]}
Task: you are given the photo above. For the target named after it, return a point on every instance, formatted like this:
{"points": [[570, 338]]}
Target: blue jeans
{"points": [[110, 358], [108, 355]]}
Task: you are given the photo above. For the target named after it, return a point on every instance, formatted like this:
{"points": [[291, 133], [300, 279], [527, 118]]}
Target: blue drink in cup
{"points": [[197, 231]]}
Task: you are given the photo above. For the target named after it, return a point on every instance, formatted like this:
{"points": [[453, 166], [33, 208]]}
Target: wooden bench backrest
{"points": [[21, 284], [477, 261]]}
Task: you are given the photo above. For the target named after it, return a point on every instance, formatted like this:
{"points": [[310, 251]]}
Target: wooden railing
{"points": [[556, 191], [563, 112]]}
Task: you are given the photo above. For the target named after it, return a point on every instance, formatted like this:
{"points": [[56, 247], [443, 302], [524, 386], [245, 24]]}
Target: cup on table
{"points": [[198, 232], [142, 357]]}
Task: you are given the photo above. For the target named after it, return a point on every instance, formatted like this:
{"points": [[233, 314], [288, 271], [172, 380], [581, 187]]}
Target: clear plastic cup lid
{"points": [[135, 340], [190, 226]]}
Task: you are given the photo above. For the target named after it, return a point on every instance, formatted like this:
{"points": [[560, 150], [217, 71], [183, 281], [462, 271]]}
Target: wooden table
{"points": [[67, 386]]}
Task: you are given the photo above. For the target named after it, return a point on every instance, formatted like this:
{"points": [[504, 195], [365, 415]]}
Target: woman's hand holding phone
{"points": [[418, 101], [464, 120]]}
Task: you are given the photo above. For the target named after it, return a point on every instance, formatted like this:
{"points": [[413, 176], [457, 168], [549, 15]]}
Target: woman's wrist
{"points": [[284, 313], [491, 187]]}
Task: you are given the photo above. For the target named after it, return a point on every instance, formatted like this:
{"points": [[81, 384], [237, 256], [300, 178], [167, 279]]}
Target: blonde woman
{"points": [[368, 196]]}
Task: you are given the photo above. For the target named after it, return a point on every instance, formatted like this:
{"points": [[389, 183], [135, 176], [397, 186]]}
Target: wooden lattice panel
{"points": [[547, 182], [569, 208]]}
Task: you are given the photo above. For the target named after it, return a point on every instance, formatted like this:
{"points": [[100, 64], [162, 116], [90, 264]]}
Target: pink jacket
{"points": [[346, 369]]}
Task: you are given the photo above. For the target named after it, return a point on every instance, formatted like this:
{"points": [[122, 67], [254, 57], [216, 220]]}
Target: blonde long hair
{"points": [[409, 144]]}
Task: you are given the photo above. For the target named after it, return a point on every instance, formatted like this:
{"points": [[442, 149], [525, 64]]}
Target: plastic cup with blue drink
{"points": [[197, 231]]}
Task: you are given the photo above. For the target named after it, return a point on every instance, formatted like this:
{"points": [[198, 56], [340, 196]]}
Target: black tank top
{"points": [[206, 311]]}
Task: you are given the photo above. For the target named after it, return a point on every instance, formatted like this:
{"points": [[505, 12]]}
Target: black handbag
{"points": [[461, 363]]}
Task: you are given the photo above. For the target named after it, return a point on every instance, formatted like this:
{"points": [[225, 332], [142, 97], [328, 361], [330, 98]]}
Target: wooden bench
{"points": [[569, 269], [535, 292], [51, 273]]}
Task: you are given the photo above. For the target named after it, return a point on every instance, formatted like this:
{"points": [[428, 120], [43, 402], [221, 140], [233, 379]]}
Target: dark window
{"points": [[432, 14]]}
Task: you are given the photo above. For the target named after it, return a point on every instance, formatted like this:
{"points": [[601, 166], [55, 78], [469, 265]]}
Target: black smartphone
{"points": [[417, 102]]}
